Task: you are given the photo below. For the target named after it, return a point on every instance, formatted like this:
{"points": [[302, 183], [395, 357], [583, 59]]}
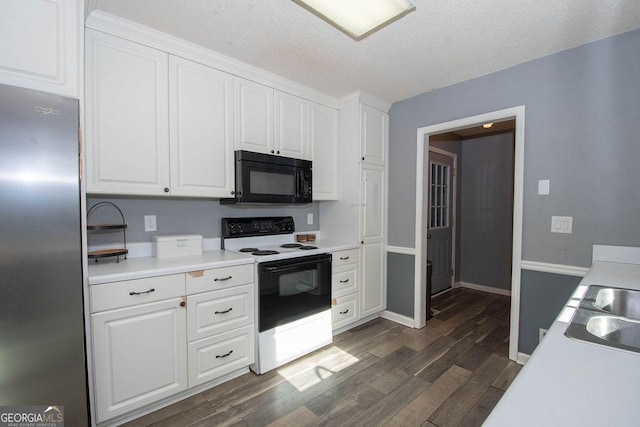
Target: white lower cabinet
{"points": [[140, 356], [345, 288], [158, 336], [210, 358]]}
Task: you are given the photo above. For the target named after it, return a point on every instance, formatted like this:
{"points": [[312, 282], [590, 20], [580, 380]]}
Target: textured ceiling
{"points": [[441, 43]]}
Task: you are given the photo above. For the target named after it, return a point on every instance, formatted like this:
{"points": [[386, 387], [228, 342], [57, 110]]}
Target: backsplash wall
{"points": [[184, 216]]}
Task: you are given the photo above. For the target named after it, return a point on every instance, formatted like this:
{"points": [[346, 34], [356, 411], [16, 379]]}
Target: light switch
{"points": [[543, 187], [561, 224]]}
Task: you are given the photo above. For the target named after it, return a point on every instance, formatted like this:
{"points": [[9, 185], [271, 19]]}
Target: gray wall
{"points": [[542, 296], [186, 216], [400, 284], [581, 132], [487, 211]]}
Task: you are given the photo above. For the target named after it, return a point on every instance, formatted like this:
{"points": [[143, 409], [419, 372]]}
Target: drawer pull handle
{"points": [[344, 281], [224, 311], [344, 312], [344, 258], [222, 356], [142, 293], [224, 279]]}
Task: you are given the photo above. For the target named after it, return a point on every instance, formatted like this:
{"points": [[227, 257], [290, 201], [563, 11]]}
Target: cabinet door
{"points": [[127, 131], [201, 124], [290, 115], [253, 116], [373, 206], [40, 48], [140, 356], [373, 289], [374, 135], [323, 146]]}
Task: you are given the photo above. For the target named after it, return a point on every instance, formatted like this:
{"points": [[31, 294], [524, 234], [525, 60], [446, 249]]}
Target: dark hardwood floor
{"points": [[450, 373]]}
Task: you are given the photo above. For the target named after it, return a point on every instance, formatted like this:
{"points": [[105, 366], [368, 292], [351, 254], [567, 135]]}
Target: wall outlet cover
{"points": [[150, 223]]}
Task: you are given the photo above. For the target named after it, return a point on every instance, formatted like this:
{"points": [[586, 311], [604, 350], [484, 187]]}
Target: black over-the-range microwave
{"points": [[266, 178]]}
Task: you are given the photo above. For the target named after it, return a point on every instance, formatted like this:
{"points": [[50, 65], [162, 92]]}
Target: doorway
{"points": [[421, 225]]}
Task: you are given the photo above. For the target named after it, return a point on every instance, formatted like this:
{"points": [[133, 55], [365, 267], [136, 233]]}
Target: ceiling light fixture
{"points": [[487, 125], [358, 18]]}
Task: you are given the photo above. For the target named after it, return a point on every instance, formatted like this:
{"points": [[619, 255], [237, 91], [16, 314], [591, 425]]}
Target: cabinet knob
{"points": [[233, 192], [272, 151], [182, 303], [277, 152], [166, 189], [362, 242], [363, 158]]}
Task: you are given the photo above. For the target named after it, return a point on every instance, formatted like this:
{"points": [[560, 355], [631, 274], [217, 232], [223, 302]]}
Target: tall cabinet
{"points": [[361, 213]]}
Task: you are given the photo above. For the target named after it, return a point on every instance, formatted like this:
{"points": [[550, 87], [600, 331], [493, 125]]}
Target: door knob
{"points": [[428, 236]]}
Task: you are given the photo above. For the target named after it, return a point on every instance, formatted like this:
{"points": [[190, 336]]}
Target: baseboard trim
{"points": [[523, 358], [545, 267], [483, 288], [398, 318], [401, 250]]}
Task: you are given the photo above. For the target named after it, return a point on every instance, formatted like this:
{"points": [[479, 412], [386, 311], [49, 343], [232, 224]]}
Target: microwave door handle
{"points": [[299, 184]]}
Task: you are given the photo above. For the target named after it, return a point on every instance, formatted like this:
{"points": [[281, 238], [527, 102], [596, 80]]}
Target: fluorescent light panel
{"points": [[358, 18]]}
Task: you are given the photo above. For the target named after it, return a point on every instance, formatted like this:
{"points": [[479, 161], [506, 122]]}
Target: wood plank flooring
{"points": [[450, 373]]}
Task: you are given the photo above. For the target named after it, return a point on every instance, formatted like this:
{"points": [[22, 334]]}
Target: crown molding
{"points": [[360, 96], [120, 27]]}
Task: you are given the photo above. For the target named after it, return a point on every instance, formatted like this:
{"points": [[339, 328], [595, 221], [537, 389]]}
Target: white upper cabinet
{"points": [[374, 135], [323, 146], [290, 123], [127, 129], [201, 130], [253, 116], [40, 44]]}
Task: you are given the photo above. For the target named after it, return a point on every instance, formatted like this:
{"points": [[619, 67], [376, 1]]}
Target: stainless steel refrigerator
{"points": [[42, 347]]}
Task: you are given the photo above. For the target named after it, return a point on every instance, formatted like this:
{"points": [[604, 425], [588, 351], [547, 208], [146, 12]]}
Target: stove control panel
{"points": [[263, 226]]}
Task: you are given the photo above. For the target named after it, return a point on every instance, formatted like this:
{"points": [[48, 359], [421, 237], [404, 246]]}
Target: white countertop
{"points": [[108, 270], [573, 383]]}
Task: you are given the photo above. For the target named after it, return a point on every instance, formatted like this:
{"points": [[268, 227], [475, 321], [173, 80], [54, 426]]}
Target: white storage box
{"points": [[177, 245]]}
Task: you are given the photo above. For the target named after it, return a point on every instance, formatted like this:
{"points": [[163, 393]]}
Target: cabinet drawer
{"points": [[349, 256], [345, 311], [215, 312], [212, 357], [218, 278], [344, 280], [133, 292]]}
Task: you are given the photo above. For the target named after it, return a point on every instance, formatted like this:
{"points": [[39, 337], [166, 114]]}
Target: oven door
{"points": [[293, 289]]}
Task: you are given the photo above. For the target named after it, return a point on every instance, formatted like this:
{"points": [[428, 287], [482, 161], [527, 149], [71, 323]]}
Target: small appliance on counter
{"points": [[176, 245], [294, 288]]}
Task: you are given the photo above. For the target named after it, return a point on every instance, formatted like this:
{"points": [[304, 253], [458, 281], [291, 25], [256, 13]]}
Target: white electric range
{"points": [[293, 282]]}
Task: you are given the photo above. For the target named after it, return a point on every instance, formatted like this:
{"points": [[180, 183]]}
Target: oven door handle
{"points": [[295, 266]]}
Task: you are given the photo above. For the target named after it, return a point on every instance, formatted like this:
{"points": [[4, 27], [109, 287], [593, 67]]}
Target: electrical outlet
{"points": [[542, 333], [309, 218], [150, 223], [561, 224]]}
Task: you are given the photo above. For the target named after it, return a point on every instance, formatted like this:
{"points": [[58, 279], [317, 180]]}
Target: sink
{"points": [[615, 330], [608, 316], [621, 302]]}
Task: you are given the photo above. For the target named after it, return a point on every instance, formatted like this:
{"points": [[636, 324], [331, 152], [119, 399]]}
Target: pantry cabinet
{"points": [[40, 46], [127, 116], [360, 213]]}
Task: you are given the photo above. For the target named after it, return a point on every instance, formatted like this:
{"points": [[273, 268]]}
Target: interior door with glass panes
{"points": [[440, 220]]}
